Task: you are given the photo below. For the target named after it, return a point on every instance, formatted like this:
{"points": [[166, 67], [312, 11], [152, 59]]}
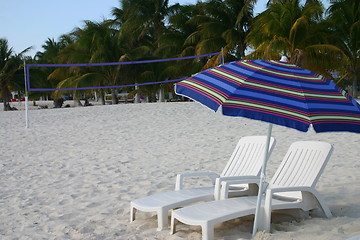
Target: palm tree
{"points": [[49, 55], [51, 50], [344, 22], [284, 28], [146, 18], [94, 43], [11, 68], [289, 28], [174, 42], [222, 24], [142, 28]]}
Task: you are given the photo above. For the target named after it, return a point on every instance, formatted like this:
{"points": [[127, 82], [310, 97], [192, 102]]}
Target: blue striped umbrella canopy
{"points": [[276, 92]]}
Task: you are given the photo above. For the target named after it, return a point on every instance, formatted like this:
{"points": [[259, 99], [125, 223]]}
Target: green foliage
{"points": [[222, 25], [284, 27], [154, 29], [11, 72], [344, 23]]}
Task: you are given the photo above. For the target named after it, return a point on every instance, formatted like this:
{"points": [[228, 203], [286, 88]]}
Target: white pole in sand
{"points": [[26, 100], [262, 180], [26, 112], [262, 175]]}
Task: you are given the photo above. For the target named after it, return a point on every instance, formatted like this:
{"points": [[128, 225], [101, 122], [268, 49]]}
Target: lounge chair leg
{"points": [[316, 197], [173, 227], [132, 213], [327, 211], [207, 232], [323, 206], [162, 216]]}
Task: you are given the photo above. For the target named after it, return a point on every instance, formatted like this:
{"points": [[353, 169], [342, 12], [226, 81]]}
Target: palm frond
{"points": [[298, 31], [326, 56]]}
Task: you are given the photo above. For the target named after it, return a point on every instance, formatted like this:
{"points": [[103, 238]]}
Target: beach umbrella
{"points": [[276, 92]]}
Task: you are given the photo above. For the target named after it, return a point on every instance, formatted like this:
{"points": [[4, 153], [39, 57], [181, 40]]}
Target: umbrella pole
{"points": [[262, 180]]}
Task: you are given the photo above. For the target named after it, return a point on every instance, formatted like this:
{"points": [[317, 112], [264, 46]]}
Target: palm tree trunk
{"points": [[137, 95], [77, 102], [161, 95], [6, 97], [114, 92], [101, 97], [298, 57], [58, 102], [354, 87], [114, 98]]}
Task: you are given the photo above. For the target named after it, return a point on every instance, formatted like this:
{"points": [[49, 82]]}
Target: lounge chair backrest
{"points": [[247, 157], [302, 165]]}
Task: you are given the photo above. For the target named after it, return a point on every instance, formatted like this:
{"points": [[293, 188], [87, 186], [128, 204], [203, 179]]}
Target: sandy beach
{"points": [[72, 174]]}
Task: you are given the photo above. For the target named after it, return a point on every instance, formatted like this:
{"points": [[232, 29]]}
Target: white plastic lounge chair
{"points": [[292, 187], [246, 160]]}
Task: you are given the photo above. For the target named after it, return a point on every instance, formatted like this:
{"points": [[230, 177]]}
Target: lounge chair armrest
{"points": [[223, 184], [180, 178], [273, 190], [305, 191], [240, 178]]}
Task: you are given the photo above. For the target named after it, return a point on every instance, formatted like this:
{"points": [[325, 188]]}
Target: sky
{"points": [[26, 23]]}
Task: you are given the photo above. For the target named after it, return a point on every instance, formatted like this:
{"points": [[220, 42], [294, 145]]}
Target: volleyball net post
{"points": [[26, 98]]}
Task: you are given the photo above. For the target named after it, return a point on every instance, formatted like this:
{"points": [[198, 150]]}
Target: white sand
{"points": [[72, 174]]}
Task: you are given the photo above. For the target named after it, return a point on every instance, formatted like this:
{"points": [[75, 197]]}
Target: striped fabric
{"points": [[275, 92]]}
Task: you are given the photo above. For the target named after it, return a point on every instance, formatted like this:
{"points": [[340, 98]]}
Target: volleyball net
{"points": [[28, 66]]}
